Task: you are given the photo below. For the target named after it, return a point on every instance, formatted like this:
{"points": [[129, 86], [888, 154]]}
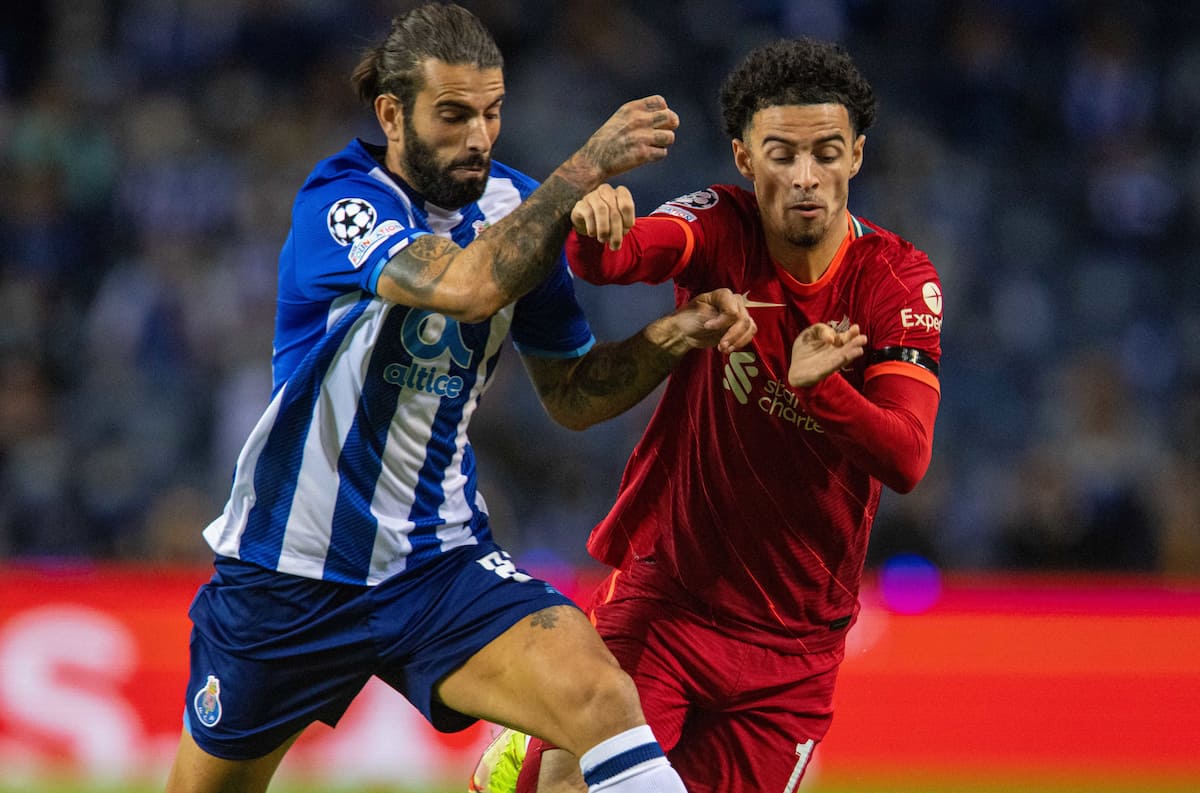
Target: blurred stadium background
{"points": [[1032, 617]]}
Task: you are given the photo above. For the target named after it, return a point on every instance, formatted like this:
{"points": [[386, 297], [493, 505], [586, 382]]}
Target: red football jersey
{"points": [[736, 490]]}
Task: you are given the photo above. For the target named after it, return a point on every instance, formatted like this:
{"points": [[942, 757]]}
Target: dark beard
{"points": [[435, 182], [804, 239]]}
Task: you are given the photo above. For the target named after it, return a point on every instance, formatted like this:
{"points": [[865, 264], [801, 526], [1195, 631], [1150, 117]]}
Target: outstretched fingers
{"points": [[820, 350], [732, 316]]}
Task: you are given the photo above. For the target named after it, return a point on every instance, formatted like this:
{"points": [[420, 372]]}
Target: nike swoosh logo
{"points": [[755, 304]]}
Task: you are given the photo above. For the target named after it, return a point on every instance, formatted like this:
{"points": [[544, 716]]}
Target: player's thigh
{"points": [[269, 654], [669, 656], [762, 750], [548, 675], [742, 752], [197, 771]]}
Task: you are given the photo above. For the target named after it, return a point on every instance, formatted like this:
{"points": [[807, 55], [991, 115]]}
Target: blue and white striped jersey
{"points": [[360, 467]]}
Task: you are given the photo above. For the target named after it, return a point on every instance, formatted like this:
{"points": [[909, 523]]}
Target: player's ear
{"points": [[741, 158], [390, 114], [856, 154]]}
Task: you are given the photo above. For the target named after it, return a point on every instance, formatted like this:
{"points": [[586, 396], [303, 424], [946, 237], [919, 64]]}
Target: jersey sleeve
{"points": [[343, 233], [653, 251], [887, 428], [548, 321], [905, 325], [658, 248]]}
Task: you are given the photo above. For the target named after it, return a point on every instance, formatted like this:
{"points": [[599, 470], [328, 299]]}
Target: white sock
{"points": [[631, 762]]}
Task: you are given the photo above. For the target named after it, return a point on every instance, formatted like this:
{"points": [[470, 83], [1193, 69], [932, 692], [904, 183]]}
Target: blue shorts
{"points": [[271, 653]]}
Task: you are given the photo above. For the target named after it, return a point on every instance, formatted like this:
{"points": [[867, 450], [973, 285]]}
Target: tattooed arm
{"points": [[516, 254], [613, 377]]}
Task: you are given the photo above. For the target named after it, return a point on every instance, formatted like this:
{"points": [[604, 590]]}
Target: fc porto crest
{"points": [[207, 703]]}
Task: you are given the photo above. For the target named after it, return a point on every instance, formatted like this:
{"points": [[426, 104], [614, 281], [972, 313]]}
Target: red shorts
{"points": [[729, 714]]}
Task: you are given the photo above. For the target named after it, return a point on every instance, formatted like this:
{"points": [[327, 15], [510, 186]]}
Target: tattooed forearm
{"points": [[505, 262], [422, 265], [606, 382], [608, 370], [526, 245]]}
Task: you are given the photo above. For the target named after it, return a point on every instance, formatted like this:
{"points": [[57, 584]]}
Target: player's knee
{"points": [[601, 701]]}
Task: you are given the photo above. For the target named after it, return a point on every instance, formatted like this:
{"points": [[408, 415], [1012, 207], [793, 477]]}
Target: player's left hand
{"points": [[716, 319], [819, 351], [606, 214]]}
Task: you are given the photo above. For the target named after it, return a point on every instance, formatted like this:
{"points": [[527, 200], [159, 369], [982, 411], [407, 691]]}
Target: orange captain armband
{"points": [[906, 361]]}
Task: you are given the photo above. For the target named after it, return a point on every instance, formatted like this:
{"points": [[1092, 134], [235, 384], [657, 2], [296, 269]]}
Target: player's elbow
{"points": [[472, 314], [903, 484], [571, 420], [472, 304], [906, 474]]}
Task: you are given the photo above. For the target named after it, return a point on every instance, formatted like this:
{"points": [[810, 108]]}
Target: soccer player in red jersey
{"points": [[739, 533]]}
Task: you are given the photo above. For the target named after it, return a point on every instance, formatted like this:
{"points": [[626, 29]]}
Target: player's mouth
{"points": [[470, 168], [808, 209]]}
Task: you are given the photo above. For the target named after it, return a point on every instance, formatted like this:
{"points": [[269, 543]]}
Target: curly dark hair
{"points": [[442, 31], [799, 71]]}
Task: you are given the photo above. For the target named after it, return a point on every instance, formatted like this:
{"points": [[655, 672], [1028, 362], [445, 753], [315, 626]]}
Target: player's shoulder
{"points": [[875, 244], [352, 173], [357, 158]]}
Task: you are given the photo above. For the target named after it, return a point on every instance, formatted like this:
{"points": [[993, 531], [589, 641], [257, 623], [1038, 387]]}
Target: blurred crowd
{"points": [[1045, 153]]}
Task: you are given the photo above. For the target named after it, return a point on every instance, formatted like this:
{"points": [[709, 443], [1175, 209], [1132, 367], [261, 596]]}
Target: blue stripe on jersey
{"points": [[479, 519], [464, 234], [348, 558], [429, 493], [277, 472]]}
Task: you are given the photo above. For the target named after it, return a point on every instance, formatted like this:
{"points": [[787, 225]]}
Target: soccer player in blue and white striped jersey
{"points": [[355, 542]]}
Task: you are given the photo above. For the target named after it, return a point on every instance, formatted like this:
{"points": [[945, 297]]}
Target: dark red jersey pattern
{"points": [[737, 491]]}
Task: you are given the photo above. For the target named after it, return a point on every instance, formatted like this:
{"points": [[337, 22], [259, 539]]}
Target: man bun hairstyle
{"points": [[799, 71], [441, 31]]}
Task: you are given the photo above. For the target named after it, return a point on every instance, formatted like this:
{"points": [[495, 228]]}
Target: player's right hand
{"points": [[819, 351], [606, 214], [639, 132]]}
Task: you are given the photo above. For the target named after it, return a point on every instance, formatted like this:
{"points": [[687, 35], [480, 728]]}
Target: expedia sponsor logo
{"points": [[931, 293], [773, 398], [912, 319]]}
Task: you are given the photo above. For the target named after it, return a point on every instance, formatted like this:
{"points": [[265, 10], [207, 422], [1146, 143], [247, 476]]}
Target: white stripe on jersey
{"points": [[305, 545]]}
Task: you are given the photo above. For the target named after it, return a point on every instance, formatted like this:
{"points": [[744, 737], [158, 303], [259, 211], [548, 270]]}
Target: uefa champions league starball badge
{"points": [[207, 703]]}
